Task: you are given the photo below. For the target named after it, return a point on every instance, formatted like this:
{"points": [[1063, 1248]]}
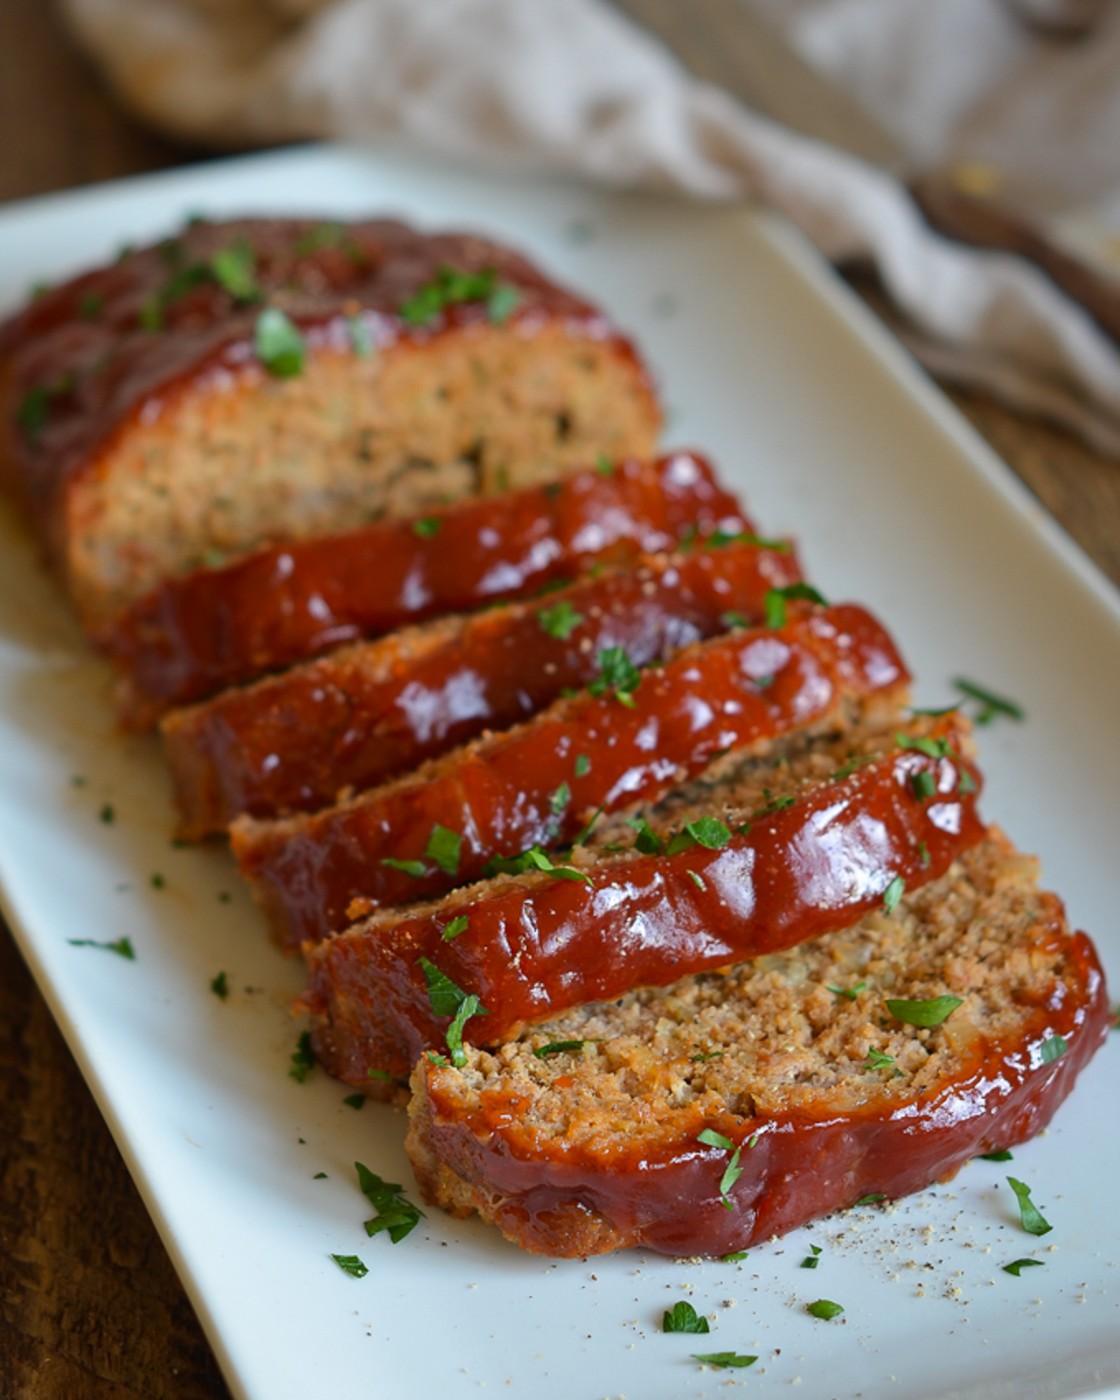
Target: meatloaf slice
{"points": [[266, 380], [366, 712], [757, 854], [539, 783], [705, 1116], [215, 627]]}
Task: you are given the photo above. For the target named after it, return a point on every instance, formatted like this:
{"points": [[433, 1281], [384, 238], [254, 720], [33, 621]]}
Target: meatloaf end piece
{"points": [[267, 380], [363, 713], [624, 1125]]}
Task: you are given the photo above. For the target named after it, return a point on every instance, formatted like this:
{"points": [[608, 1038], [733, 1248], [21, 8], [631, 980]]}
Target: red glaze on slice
{"points": [[537, 945], [795, 1166], [218, 627], [539, 784], [365, 713]]}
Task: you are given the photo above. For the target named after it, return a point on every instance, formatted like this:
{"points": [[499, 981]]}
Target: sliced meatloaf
{"points": [[540, 783], [265, 380], [215, 627], [759, 853], [706, 1116], [364, 713]]}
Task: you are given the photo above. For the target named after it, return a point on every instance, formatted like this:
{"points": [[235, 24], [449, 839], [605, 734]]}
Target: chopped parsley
{"points": [[450, 287], [427, 526], [219, 985], [121, 946], [734, 619], [355, 1100], [683, 1317], [923, 784], [32, 413], [459, 924], [617, 673], [871, 1199], [559, 1047], [697, 879], [777, 598], [444, 847], [733, 1171], [876, 1059], [560, 800], [559, 621], [582, 766], [603, 465], [1030, 1217], [278, 344], [708, 832], [923, 1013], [395, 1213], [416, 868], [1017, 1266], [234, 270], [350, 1264], [718, 538], [648, 842], [303, 1059], [991, 706], [724, 1359], [824, 1309], [326, 235], [850, 992], [533, 859], [157, 881], [735, 1257], [812, 1259], [1053, 1048], [893, 893], [1001, 1156], [446, 999]]}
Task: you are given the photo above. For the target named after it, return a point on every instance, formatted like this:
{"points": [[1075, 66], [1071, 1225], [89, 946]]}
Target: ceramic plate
{"points": [[766, 363]]}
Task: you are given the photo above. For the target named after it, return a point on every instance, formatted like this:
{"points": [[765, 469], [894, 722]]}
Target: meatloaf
{"points": [[366, 712], [193, 635], [540, 783], [757, 854], [264, 380], [700, 1118]]}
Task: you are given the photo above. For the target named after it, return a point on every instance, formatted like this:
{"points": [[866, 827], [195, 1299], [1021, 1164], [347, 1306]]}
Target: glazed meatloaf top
{"points": [[90, 354], [266, 380]]}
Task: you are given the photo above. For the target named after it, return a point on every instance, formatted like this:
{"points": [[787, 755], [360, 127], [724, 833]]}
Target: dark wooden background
{"points": [[90, 1308]]}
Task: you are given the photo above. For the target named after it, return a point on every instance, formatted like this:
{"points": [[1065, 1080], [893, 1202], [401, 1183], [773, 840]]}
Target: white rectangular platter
{"points": [[767, 364]]}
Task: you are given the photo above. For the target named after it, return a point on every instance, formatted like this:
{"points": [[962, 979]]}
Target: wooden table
{"points": [[91, 1308]]}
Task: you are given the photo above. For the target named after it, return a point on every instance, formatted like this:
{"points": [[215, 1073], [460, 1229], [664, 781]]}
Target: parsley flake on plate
{"points": [[1017, 1266], [724, 1359], [683, 1317], [350, 1264], [302, 1059], [395, 1213], [121, 946], [824, 1308], [1030, 1217]]}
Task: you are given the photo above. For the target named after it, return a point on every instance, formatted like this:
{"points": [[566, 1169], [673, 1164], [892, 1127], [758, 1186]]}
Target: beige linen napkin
{"points": [[571, 86]]}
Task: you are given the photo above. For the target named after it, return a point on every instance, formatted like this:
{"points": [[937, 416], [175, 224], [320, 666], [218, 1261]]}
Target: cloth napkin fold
{"points": [[572, 86]]}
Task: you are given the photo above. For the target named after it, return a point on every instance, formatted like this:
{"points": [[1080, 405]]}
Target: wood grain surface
{"points": [[91, 1308]]}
